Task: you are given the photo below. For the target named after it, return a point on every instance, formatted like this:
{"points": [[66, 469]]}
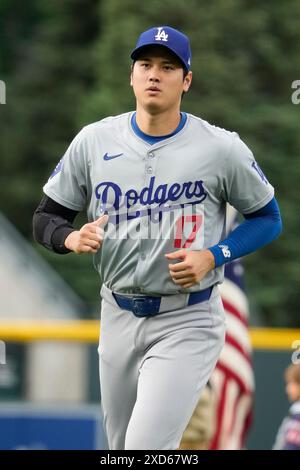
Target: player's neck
{"points": [[157, 124]]}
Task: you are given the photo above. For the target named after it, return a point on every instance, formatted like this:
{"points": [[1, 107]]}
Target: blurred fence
{"points": [[88, 331], [274, 349]]}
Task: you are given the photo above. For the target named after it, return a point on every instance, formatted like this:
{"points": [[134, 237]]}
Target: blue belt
{"points": [[146, 306]]}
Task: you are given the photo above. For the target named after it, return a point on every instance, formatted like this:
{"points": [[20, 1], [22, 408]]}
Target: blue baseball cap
{"points": [[168, 37]]}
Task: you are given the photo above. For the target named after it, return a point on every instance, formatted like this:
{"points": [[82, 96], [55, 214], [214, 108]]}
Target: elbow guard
{"points": [[51, 230]]}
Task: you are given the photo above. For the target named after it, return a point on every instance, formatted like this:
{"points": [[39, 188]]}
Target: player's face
{"points": [[293, 390], [158, 80]]}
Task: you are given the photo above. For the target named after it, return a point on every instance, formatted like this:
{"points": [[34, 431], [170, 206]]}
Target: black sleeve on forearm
{"points": [[52, 223]]}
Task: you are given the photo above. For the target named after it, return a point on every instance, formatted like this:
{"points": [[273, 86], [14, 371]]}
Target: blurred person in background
{"points": [[288, 436]]}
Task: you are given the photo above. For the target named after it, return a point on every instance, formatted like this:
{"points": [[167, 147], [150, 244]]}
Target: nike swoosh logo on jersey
{"points": [[111, 157]]}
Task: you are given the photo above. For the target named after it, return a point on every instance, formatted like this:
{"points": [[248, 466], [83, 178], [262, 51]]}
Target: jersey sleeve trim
{"points": [[60, 200], [259, 204]]}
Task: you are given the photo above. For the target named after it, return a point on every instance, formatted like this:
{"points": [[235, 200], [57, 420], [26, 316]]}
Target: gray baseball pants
{"points": [[152, 370]]}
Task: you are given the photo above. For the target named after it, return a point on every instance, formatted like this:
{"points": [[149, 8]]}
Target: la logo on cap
{"points": [[161, 35]]}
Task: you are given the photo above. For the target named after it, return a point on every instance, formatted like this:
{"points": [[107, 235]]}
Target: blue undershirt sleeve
{"points": [[258, 229]]}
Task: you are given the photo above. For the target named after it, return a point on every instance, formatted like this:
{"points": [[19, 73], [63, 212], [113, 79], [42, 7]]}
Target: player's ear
{"points": [[187, 81]]}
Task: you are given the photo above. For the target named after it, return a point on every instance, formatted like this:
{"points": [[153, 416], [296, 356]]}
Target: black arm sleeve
{"points": [[52, 223]]}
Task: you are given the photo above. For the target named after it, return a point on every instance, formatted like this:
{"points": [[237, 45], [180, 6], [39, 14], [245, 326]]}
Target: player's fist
{"points": [[89, 238], [192, 266]]}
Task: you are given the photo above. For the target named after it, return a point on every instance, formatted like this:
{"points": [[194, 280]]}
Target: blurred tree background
{"points": [[66, 63]]}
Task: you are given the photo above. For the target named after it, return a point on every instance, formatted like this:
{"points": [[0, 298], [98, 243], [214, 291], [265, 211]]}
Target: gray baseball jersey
{"points": [[159, 197]]}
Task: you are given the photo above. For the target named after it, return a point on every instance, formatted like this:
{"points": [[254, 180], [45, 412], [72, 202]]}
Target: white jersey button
{"points": [[151, 155], [150, 169]]}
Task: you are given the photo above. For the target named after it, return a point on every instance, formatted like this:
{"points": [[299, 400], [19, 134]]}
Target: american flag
{"points": [[233, 380]]}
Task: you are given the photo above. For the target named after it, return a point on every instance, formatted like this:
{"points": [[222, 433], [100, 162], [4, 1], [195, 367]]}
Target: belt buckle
{"points": [[136, 305]]}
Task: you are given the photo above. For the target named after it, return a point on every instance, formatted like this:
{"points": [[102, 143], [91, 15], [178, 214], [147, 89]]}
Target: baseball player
{"points": [[154, 183]]}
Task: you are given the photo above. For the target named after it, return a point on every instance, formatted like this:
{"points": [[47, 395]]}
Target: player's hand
{"points": [[191, 268], [89, 238]]}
